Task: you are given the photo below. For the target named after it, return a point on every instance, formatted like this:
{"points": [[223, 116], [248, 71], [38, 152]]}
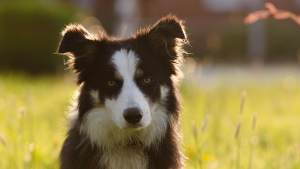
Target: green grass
{"points": [[44, 101]]}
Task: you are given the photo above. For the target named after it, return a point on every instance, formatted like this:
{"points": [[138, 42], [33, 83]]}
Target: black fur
{"points": [[159, 49], [78, 152]]}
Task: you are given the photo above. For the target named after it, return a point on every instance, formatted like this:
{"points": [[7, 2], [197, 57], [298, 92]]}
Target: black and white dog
{"points": [[127, 109]]}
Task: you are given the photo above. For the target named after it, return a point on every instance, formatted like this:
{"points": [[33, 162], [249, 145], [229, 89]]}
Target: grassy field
{"points": [[32, 125]]}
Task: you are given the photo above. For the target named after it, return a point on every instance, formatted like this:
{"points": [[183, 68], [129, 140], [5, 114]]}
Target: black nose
{"points": [[133, 115]]}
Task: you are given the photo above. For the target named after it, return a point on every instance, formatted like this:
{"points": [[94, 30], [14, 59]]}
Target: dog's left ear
{"points": [[168, 35]]}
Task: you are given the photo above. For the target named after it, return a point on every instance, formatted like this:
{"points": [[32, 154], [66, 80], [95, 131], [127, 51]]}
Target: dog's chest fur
{"points": [[124, 159]]}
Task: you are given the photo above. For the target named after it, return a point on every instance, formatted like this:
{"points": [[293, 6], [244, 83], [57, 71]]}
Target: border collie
{"points": [[127, 108]]}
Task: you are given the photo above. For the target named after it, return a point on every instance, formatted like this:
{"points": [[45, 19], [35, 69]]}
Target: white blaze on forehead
{"points": [[125, 63], [130, 96]]}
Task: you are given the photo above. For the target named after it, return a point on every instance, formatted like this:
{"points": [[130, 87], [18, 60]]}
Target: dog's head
{"points": [[125, 80]]}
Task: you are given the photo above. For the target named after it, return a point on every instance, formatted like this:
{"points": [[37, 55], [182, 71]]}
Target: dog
{"points": [[127, 111]]}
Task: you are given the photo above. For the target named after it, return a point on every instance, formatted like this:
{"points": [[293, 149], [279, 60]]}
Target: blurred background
{"points": [[30, 31], [228, 62]]}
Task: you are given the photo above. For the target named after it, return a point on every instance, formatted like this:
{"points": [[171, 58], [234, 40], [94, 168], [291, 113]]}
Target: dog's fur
{"points": [[99, 136]]}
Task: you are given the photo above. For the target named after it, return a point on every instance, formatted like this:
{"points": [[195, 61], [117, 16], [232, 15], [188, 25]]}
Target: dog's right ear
{"points": [[79, 45]]}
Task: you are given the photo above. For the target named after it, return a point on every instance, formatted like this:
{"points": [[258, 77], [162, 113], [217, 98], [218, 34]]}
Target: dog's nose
{"points": [[133, 115]]}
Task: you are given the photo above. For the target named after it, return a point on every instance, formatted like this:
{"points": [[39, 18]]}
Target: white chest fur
{"points": [[124, 159]]}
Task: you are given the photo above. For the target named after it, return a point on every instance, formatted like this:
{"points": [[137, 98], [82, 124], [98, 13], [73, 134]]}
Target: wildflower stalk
{"points": [[197, 139], [195, 134], [237, 131], [251, 145], [204, 123], [242, 102], [2, 139]]}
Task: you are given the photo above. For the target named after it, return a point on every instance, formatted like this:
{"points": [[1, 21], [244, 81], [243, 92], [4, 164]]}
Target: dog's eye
{"points": [[111, 83], [147, 80]]}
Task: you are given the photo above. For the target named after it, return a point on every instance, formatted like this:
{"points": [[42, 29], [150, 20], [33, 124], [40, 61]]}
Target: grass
{"points": [[32, 124]]}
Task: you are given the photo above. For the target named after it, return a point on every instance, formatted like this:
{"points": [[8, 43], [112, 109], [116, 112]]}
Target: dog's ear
{"points": [[79, 45], [168, 35]]}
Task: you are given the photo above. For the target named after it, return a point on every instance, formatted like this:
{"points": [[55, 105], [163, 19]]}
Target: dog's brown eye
{"points": [[147, 80], [111, 83]]}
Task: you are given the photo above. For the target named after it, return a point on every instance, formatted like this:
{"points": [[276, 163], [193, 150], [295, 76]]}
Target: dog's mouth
{"points": [[133, 127]]}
